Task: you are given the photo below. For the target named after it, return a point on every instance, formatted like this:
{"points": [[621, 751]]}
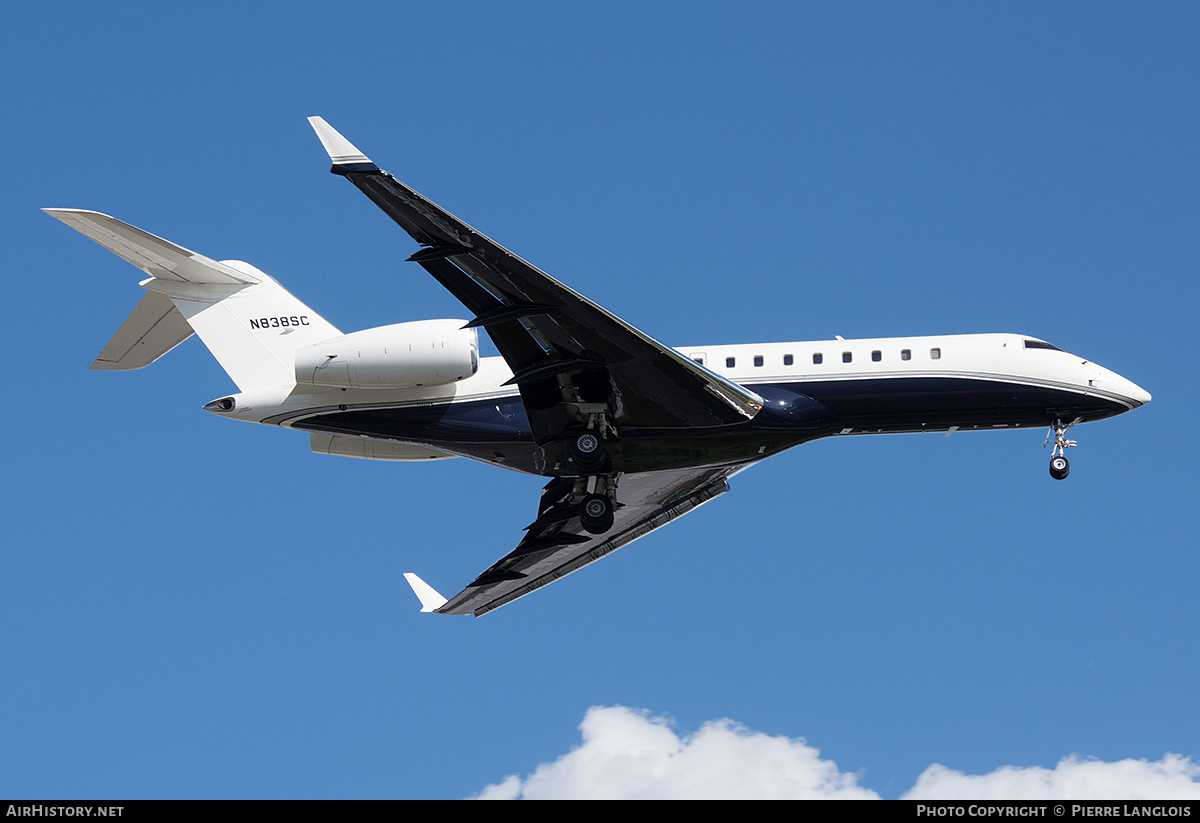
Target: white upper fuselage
{"points": [[997, 357]]}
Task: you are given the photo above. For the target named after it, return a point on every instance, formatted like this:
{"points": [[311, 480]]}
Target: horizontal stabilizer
{"points": [[153, 328], [430, 599], [159, 258]]}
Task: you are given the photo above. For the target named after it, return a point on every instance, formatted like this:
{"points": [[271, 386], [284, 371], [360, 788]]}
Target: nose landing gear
{"points": [[1060, 467]]}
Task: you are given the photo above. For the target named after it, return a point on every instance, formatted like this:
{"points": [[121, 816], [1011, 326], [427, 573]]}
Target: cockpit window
{"points": [[1038, 344]]}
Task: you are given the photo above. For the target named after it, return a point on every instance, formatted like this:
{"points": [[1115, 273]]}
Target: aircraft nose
{"points": [[1137, 394], [1129, 390]]}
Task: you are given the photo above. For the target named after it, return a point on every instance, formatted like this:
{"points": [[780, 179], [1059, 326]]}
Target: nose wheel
{"points": [[1060, 467]]}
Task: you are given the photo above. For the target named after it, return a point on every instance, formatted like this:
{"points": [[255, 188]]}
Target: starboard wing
{"points": [[547, 332]]}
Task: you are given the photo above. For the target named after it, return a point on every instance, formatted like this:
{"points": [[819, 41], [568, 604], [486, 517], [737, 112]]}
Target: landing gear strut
{"points": [[1060, 467]]}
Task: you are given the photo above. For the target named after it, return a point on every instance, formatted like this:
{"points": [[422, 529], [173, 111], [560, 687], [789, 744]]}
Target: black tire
{"points": [[588, 451], [1060, 467], [596, 514]]}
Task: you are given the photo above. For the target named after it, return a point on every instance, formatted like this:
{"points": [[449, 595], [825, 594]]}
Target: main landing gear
{"points": [[589, 453], [596, 513], [597, 504], [1060, 467]]}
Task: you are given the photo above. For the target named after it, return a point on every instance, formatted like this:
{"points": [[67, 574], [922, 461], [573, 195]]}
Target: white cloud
{"points": [[627, 754], [1173, 778]]}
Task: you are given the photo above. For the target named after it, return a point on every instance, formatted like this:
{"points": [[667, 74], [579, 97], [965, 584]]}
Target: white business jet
{"points": [[631, 433]]}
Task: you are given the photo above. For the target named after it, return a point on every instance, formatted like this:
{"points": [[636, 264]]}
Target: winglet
{"points": [[430, 599], [345, 157]]}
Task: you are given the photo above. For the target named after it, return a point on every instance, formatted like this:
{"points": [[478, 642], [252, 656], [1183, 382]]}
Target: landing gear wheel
{"points": [[596, 514], [588, 451], [1059, 468]]}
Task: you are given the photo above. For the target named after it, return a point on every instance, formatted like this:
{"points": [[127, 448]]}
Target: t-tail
{"points": [[250, 323]]}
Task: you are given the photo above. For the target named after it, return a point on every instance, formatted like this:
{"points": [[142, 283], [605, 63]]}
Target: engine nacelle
{"points": [[400, 356]]}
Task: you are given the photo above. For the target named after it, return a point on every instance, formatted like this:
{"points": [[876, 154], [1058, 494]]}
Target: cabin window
{"points": [[758, 360], [817, 358], [699, 360], [935, 354], [787, 360], [730, 362], [906, 354], [847, 357], [876, 356]]}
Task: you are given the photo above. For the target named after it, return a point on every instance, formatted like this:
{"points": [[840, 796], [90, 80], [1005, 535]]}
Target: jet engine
{"points": [[400, 356]]}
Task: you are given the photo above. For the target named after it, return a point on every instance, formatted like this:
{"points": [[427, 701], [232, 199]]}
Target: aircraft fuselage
{"points": [[811, 390]]}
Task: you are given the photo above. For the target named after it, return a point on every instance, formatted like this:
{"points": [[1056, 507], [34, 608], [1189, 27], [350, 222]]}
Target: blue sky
{"points": [[195, 608]]}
